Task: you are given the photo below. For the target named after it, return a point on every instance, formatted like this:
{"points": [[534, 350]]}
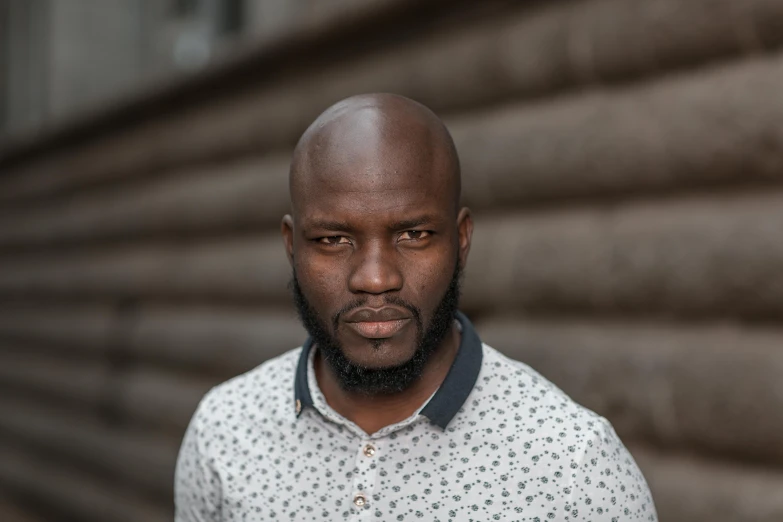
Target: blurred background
{"points": [[623, 159]]}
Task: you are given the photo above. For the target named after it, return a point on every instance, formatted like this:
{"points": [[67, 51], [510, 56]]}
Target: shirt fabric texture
{"points": [[496, 441]]}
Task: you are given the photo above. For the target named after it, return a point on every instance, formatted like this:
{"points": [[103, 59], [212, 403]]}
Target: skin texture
{"points": [[376, 224], [388, 379]]}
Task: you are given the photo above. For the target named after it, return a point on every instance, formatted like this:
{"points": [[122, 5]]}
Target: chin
{"points": [[378, 354]]}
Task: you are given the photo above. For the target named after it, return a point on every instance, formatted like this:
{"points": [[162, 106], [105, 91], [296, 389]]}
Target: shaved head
{"points": [[402, 131], [376, 239]]}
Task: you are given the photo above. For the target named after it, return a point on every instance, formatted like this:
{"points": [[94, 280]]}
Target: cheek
{"points": [[322, 282], [427, 279]]}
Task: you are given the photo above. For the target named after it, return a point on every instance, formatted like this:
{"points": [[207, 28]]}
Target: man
{"points": [[393, 409]]}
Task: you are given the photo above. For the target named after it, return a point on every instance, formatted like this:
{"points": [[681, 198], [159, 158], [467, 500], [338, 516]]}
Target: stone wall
{"points": [[623, 159]]}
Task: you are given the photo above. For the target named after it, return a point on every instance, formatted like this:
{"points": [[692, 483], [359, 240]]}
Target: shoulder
{"points": [[525, 384], [606, 481], [597, 461], [540, 410], [265, 387]]}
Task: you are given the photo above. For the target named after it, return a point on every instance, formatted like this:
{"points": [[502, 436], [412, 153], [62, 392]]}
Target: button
{"points": [[360, 500], [369, 450], [298, 406]]}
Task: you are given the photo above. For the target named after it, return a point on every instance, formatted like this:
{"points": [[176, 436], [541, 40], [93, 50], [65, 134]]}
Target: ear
{"points": [[465, 232], [287, 229]]}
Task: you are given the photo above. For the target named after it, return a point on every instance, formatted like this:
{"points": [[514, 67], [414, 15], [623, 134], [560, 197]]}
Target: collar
{"points": [[446, 401]]}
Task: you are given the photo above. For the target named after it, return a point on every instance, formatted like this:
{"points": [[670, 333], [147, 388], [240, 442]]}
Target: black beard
{"points": [[388, 380]]}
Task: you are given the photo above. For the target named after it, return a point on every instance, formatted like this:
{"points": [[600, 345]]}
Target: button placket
{"points": [[366, 476]]}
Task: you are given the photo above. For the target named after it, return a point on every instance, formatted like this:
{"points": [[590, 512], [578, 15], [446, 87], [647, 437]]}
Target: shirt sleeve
{"points": [[607, 485], [197, 485]]}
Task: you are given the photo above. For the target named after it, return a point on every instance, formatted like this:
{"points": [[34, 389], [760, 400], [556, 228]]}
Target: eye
{"points": [[414, 235], [334, 240]]}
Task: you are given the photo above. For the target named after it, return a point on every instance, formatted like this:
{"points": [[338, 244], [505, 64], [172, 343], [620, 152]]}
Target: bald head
{"points": [[369, 140]]}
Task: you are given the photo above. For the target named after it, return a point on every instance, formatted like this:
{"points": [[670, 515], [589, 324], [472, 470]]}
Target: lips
{"points": [[377, 324], [377, 329]]}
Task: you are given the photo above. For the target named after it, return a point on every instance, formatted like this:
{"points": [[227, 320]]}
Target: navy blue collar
{"points": [[447, 400]]}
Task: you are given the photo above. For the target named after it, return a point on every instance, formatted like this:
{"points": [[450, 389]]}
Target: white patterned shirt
{"points": [[496, 441]]}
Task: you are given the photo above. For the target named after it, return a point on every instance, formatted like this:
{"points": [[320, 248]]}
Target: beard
{"points": [[391, 379]]}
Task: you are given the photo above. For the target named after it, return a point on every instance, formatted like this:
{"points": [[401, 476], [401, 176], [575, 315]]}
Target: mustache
{"points": [[388, 300]]}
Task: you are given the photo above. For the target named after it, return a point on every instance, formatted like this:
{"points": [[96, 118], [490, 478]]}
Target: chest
{"points": [[418, 474]]}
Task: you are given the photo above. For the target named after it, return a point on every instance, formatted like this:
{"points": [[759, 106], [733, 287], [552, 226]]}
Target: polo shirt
{"points": [[496, 441]]}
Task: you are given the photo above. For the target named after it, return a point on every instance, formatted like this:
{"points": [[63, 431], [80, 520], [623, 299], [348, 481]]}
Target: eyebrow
{"points": [[326, 224], [414, 222], [404, 224]]}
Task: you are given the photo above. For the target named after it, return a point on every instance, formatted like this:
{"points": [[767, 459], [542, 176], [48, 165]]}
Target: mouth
{"points": [[377, 329]]}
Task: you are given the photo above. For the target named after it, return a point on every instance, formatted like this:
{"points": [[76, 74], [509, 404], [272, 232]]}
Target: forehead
{"points": [[372, 171], [369, 196], [369, 203]]}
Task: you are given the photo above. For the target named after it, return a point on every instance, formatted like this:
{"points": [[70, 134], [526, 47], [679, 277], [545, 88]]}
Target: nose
{"points": [[375, 270]]}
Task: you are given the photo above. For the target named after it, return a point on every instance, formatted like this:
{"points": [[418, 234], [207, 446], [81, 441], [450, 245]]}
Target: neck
{"points": [[373, 412]]}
